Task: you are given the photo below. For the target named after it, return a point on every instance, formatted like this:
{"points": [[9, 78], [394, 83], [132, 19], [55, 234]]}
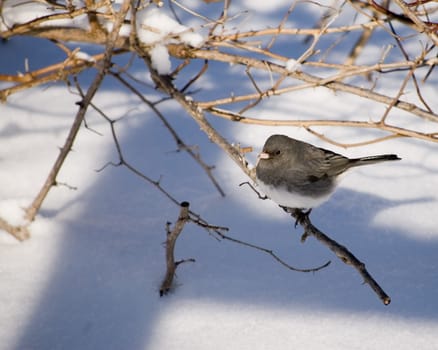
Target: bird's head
{"points": [[276, 149]]}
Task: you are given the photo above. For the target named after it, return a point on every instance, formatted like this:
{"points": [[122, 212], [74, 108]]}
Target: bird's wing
{"points": [[322, 163]]}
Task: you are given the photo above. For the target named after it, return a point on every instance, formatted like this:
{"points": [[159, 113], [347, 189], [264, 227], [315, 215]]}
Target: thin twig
{"points": [[282, 24], [340, 251], [406, 56], [122, 160], [56, 72], [272, 254], [300, 31], [426, 28], [396, 98], [352, 144], [178, 140], [395, 130]]}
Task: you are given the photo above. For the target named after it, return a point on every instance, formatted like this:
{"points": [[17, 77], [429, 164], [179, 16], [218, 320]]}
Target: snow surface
{"points": [[89, 276]]}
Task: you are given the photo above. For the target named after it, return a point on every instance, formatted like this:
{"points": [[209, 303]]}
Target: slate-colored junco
{"points": [[296, 174]]}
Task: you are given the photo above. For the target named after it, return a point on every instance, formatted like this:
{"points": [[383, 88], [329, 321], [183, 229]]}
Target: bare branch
{"points": [[56, 72], [301, 31], [340, 251], [426, 28], [182, 52], [171, 238], [20, 232], [395, 130]]}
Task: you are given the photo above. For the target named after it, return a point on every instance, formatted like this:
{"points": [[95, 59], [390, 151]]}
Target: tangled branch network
{"points": [[377, 52]]}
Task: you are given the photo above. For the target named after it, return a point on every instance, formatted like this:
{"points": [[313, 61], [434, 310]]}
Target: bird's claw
{"points": [[300, 215]]}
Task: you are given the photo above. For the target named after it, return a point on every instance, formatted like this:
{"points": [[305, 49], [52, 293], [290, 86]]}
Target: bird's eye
{"points": [[277, 152]]}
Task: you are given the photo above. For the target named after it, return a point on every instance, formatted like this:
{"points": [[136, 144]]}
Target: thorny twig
{"points": [[31, 211]]}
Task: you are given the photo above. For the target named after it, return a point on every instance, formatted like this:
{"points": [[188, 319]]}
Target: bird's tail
{"points": [[373, 159]]}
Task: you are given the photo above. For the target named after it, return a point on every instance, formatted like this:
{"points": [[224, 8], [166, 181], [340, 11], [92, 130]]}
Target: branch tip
{"points": [[339, 250]]}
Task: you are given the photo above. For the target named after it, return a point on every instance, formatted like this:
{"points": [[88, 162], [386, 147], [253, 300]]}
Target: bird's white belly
{"points": [[291, 200]]}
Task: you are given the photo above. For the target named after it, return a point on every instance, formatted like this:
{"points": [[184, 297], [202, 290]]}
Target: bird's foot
{"points": [[300, 215]]}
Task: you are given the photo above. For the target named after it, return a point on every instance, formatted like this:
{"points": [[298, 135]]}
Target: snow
{"points": [[292, 65], [80, 55], [160, 59], [238, 326], [89, 276], [13, 210], [22, 11], [157, 29], [153, 26]]}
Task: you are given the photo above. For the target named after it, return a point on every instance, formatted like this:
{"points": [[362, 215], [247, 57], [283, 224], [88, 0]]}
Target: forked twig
{"points": [[185, 216]]}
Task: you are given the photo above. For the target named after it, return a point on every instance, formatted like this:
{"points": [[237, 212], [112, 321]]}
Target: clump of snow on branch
{"points": [[156, 29], [293, 65], [83, 56], [160, 59]]}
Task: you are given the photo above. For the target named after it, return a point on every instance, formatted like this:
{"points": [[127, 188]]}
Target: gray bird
{"points": [[296, 174]]}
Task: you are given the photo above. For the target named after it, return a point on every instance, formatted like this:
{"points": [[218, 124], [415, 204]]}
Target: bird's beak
{"points": [[264, 155]]}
